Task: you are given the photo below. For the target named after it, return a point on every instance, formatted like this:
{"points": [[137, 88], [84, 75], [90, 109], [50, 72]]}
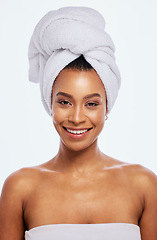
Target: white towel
{"points": [[63, 35]]}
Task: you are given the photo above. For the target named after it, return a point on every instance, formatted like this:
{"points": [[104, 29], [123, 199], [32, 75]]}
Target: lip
{"points": [[76, 129], [77, 136]]}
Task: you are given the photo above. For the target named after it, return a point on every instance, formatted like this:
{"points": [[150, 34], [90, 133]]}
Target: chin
{"points": [[78, 146]]}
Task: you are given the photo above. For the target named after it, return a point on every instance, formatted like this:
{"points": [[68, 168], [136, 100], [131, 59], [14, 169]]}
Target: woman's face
{"points": [[78, 107]]}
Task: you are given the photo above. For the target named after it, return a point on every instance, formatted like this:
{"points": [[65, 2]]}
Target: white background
{"points": [[27, 135]]}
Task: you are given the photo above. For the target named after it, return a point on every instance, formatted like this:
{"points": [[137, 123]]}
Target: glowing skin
{"points": [[80, 185], [78, 104]]}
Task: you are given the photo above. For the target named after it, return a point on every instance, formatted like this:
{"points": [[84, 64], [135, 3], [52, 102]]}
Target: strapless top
{"points": [[100, 231]]}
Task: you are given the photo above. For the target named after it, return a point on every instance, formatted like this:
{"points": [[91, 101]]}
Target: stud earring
{"points": [[106, 117]]}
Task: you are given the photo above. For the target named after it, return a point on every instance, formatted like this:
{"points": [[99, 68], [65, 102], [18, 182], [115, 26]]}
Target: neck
{"points": [[78, 162]]}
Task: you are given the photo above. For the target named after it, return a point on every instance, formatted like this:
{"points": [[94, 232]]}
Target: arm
{"points": [[148, 221], [11, 209]]}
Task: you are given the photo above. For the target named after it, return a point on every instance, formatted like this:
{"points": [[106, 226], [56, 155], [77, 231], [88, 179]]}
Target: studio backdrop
{"points": [[27, 135]]}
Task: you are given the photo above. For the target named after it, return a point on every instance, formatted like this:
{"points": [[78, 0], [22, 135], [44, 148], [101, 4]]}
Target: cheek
{"points": [[58, 115], [97, 117]]}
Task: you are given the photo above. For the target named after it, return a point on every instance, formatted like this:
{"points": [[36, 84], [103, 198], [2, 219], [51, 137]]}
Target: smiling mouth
{"points": [[77, 132]]}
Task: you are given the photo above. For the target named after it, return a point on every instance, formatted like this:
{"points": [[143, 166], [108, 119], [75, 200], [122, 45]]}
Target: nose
{"points": [[77, 115]]}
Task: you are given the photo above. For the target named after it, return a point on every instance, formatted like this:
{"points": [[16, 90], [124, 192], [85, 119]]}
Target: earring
{"points": [[106, 117]]}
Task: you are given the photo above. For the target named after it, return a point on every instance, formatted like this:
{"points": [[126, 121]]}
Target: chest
{"points": [[95, 200]]}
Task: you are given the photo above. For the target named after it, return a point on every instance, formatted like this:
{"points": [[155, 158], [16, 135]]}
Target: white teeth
{"points": [[76, 132]]}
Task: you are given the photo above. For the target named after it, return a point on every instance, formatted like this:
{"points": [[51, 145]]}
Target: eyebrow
{"points": [[85, 97]]}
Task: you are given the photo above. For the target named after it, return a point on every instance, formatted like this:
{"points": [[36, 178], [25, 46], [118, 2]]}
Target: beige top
{"points": [[102, 231]]}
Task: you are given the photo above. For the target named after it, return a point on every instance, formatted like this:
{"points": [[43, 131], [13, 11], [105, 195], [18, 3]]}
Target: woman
{"points": [[81, 193]]}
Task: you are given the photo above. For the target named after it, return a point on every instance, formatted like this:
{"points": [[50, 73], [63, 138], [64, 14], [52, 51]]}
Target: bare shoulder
{"points": [[22, 180], [136, 173], [15, 191], [136, 170], [141, 174], [143, 178], [147, 180]]}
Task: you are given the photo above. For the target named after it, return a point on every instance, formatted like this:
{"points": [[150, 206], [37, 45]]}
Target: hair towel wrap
{"points": [[63, 35]]}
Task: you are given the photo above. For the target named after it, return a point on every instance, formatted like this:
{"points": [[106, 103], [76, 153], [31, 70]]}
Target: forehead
{"points": [[77, 82]]}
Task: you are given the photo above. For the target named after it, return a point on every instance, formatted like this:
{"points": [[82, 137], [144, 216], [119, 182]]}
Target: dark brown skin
{"points": [[80, 184]]}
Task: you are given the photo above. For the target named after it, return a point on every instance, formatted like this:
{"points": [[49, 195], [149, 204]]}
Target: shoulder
{"points": [[21, 181], [140, 173], [143, 178], [147, 179], [146, 182], [15, 192], [136, 174]]}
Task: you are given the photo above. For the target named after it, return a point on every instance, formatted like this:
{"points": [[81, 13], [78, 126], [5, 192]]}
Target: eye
{"points": [[92, 104], [64, 102]]}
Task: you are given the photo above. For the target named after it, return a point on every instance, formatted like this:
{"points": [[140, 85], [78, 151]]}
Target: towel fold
{"points": [[63, 35]]}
